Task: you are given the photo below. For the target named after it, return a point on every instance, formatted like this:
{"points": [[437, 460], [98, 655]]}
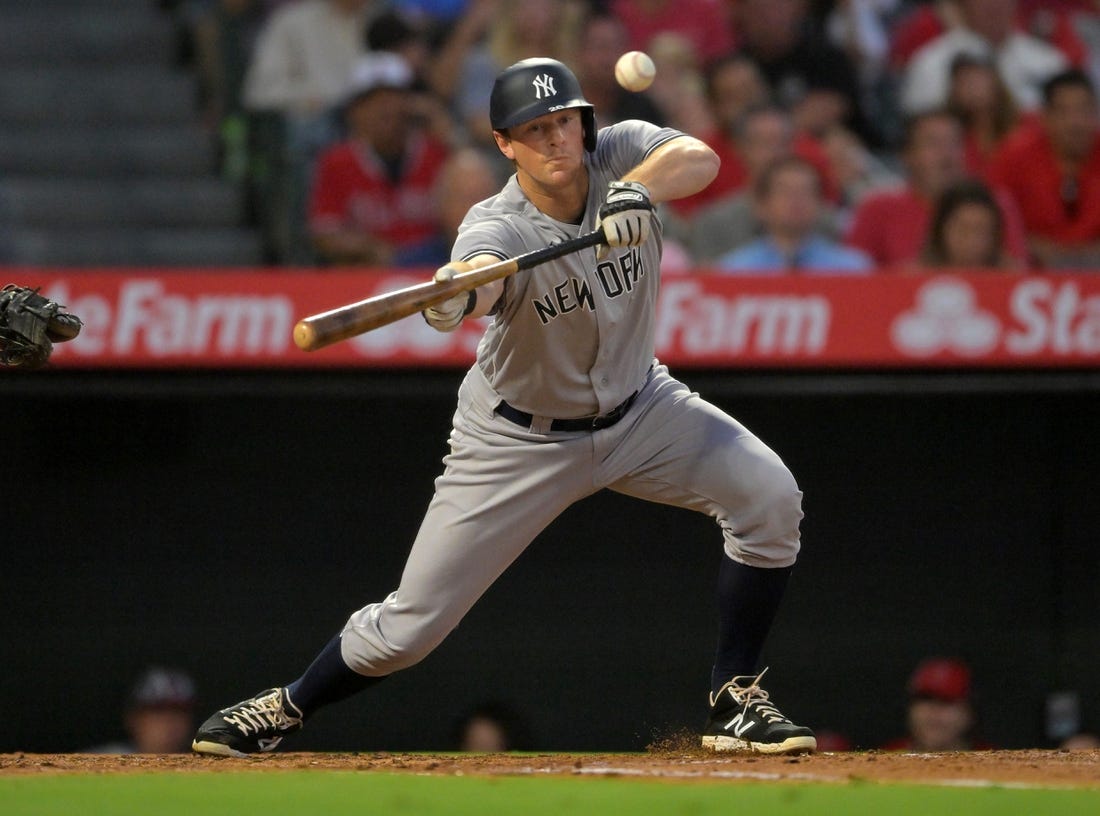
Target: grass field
{"points": [[332, 793]]}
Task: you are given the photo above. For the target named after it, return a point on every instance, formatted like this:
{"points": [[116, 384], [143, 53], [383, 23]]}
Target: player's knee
{"points": [[407, 640], [771, 538], [408, 652], [785, 499]]}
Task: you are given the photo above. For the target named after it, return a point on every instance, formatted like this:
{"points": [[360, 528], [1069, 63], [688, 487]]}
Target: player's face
{"points": [[547, 150]]}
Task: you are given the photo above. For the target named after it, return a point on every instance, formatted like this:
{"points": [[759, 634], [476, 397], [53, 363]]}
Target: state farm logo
{"points": [[946, 318], [146, 318], [697, 322], [1034, 317]]}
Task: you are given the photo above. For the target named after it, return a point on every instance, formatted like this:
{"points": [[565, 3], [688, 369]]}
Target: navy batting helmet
{"points": [[534, 87]]}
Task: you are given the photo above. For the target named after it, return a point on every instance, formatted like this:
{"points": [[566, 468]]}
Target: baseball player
{"points": [[565, 399]]}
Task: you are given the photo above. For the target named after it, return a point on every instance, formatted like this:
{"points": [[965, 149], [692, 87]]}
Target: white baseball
{"points": [[635, 71]]}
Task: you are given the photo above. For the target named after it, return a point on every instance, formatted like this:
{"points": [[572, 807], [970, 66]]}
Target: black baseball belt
{"points": [[590, 423]]}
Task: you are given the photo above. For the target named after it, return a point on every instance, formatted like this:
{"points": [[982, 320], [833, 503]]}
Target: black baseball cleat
{"points": [[249, 727], [743, 719]]}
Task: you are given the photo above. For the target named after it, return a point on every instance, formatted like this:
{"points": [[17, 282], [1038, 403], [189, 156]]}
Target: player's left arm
{"points": [[674, 169]]}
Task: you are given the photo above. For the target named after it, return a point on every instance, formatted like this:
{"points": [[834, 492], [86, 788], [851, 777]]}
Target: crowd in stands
{"points": [[862, 136], [940, 711]]}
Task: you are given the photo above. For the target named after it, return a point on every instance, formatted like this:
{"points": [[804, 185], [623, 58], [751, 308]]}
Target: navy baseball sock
{"points": [[327, 680], [748, 598]]}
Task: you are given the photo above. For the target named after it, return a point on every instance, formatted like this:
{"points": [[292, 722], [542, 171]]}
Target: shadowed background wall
{"points": [[229, 523]]}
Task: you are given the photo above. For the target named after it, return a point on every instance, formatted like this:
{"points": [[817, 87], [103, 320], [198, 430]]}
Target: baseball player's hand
{"points": [[625, 215], [446, 316]]}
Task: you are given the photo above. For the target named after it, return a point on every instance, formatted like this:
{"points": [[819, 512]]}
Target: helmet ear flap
{"points": [[588, 121]]}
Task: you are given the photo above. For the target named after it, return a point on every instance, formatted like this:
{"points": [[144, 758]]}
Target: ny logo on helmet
{"points": [[544, 86]]}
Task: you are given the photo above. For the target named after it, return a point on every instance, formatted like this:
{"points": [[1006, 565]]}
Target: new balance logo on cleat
{"points": [[739, 724], [252, 726], [741, 707]]}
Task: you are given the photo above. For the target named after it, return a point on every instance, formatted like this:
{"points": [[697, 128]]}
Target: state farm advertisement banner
{"points": [[244, 318]]}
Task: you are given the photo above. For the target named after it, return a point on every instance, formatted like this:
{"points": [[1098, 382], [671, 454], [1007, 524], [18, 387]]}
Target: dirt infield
{"points": [[1076, 769]]}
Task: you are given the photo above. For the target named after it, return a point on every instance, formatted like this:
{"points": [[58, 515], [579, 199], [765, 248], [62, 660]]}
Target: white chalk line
{"points": [[771, 776]]}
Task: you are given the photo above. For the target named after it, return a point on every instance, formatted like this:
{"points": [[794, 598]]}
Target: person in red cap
{"points": [[940, 714]]}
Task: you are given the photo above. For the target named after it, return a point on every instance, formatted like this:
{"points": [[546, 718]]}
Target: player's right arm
{"points": [[447, 316], [489, 294]]}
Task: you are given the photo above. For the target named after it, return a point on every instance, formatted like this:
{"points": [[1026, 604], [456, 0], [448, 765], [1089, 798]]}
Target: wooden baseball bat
{"points": [[324, 329]]}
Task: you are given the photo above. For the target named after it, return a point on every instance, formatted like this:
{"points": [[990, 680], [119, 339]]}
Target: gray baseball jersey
{"points": [[570, 338], [573, 337]]}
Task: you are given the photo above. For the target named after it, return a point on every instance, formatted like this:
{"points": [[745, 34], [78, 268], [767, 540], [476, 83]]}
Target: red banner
{"points": [[244, 318]]}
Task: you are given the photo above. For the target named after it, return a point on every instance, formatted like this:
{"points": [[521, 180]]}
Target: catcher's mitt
{"points": [[29, 326]]}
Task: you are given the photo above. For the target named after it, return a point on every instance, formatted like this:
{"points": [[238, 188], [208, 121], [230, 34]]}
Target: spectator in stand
{"points": [[159, 715], [788, 199], [1071, 26], [452, 43], [703, 24], [508, 33], [678, 89], [988, 30], [762, 136], [1082, 741], [304, 56], [856, 172], [492, 727], [392, 33], [1053, 171], [982, 103], [372, 199], [735, 88], [807, 75], [298, 74], [915, 28], [225, 33], [891, 225], [859, 28], [602, 40], [940, 715], [967, 230], [466, 178]]}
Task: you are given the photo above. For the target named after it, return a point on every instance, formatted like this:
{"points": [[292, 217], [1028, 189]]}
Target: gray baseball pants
{"points": [[503, 484]]}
